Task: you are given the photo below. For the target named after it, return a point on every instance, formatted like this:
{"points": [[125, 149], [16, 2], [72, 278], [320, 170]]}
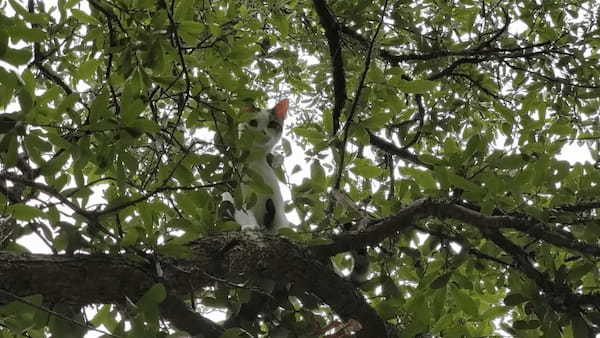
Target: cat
{"points": [[264, 131], [267, 213]]}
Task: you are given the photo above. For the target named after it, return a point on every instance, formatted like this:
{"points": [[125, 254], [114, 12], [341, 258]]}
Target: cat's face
{"points": [[267, 125]]}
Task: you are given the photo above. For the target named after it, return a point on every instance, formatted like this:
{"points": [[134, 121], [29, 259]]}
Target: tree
{"points": [[432, 130]]}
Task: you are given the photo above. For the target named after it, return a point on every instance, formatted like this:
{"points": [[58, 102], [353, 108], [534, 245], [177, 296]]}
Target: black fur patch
{"points": [[269, 214]]}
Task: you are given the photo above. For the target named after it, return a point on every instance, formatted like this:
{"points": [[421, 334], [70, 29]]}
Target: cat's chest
{"points": [[269, 208]]}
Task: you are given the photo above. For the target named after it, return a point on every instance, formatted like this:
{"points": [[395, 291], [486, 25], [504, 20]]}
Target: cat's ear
{"points": [[280, 109]]}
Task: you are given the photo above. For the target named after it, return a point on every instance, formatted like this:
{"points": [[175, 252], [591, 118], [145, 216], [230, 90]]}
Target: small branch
{"points": [[392, 149], [183, 318], [565, 82], [421, 119], [152, 193], [578, 207], [360, 87], [48, 190]]}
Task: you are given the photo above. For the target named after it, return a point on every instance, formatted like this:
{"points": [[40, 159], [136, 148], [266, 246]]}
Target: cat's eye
{"points": [[274, 125], [253, 123]]}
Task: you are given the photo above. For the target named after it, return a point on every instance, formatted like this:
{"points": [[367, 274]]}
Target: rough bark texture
{"points": [[234, 256]]}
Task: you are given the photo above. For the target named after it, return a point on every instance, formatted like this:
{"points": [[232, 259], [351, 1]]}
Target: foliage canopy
{"points": [[440, 123]]}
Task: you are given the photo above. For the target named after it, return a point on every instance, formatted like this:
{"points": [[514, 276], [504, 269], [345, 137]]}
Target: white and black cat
{"points": [[266, 213], [264, 131]]}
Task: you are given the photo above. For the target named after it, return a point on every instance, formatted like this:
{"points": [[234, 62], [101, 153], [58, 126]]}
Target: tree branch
{"points": [[391, 148], [329, 23], [90, 279]]}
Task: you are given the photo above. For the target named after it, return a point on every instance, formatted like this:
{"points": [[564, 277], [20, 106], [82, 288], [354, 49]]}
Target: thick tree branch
{"points": [[232, 256], [422, 209], [490, 227]]}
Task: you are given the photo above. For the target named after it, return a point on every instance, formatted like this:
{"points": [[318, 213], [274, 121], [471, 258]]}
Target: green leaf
{"points": [[415, 86], [84, 17], [377, 121], [86, 69], [514, 299], [422, 178], [364, 167], [131, 109], [25, 100], [191, 27], [441, 281], [580, 327], [317, 174], [461, 182], [67, 103], [527, 324], [11, 140], [32, 34], [17, 57], [281, 22], [147, 126], [235, 333], [130, 238], [154, 296], [466, 303], [258, 184], [103, 317], [495, 312], [26, 212]]}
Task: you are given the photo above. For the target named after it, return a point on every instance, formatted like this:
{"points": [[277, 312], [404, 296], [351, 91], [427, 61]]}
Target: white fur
{"points": [[258, 132]]}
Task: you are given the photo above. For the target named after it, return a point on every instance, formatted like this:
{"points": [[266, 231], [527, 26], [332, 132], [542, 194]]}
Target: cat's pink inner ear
{"points": [[281, 109]]}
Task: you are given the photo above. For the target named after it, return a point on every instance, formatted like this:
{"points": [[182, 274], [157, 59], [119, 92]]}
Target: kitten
{"points": [[264, 132], [267, 213]]}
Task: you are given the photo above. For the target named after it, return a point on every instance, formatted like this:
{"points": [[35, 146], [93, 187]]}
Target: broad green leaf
{"points": [[26, 212], [415, 86], [17, 57], [580, 327], [155, 295], [422, 178], [87, 69], [495, 312], [130, 238], [461, 182], [191, 27], [67, 103], [526, 324], [234, 333], [441, 281], [25, 100], [84, 17], [514, 299], [31, 34], [364, 167], [258, 184], [465, 302]]}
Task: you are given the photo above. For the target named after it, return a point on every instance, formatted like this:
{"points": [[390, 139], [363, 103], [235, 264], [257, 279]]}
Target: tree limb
{"points": [[108, 279], [329, 23]]}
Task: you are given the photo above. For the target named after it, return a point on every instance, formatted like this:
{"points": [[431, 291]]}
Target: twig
{"points": [[360, 87]]}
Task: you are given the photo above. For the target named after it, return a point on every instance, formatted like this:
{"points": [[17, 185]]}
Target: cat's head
{"points": [[267, 125]]}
